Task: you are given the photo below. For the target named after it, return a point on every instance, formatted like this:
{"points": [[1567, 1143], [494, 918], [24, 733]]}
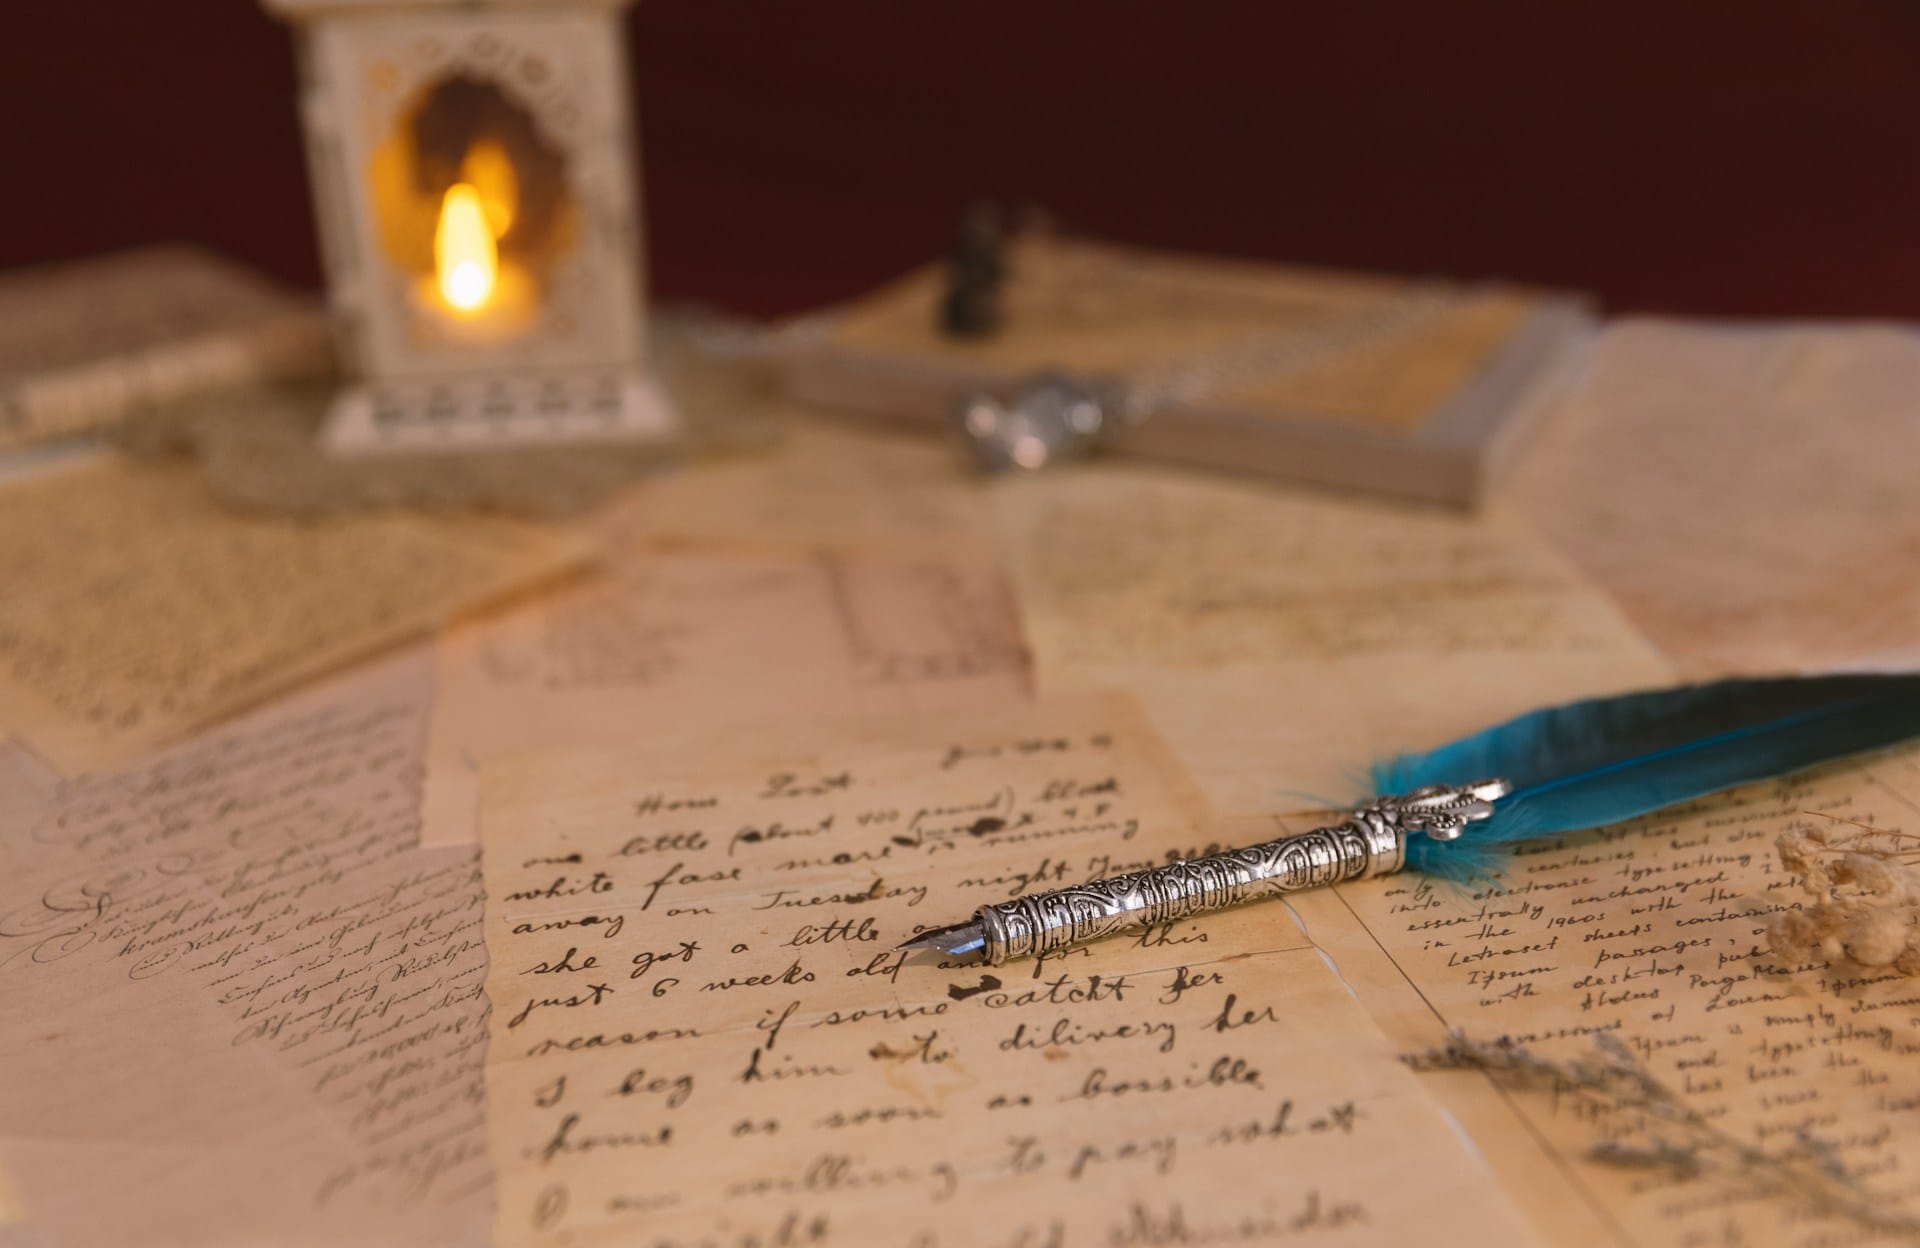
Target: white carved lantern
{"points": [[473, 179]]}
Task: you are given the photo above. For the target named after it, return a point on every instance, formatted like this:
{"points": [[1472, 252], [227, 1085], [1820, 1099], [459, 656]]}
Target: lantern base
{"points": [[483, 413]]}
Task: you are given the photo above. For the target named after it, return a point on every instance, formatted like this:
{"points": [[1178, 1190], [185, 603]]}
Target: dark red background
{"points": [[1752, 157]]}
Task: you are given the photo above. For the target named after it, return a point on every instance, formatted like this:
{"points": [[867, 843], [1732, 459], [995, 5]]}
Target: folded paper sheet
{"points": [[241, 1008], [136, 608], [1785, 1098], [1282, 640], [1746, 493], [676, 640], [701, 1032]]}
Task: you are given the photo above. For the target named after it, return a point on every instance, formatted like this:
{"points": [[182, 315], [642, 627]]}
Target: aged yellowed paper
{"points": [[241, 1007], [701, 1032], [11, 1209], [1285, 639], [832, 483], [1781, 1107], [1422, 628], [676, 640], [136, 608], [1745, 493]]}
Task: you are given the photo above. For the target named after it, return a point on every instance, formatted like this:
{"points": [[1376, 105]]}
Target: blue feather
{"points": [[1589, 764]]}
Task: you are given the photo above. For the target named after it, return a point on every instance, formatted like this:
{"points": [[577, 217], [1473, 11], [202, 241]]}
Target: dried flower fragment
{"points": [[1864, 883], [1645, 1125]]}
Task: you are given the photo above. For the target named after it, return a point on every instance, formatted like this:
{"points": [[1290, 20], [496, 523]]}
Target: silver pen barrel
{"points": [[1367, 844], [1370, 841]]}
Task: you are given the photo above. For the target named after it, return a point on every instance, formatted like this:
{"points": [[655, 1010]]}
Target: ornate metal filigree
{"points": [[1442, 811], [1371, 842]]}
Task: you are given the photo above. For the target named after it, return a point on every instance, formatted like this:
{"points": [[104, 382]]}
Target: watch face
{"points": [[1049, 420]]}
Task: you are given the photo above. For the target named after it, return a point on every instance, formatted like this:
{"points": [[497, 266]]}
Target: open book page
{"points": [[701, 1032], [829, 484], [242, 1008], [1660, 1076], [1746, 494], [137, 608], [672, 641], [1284, 640]]}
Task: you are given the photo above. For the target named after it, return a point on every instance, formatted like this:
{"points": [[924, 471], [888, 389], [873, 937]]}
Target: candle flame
{"points": [[489, 170], [464, 256]]}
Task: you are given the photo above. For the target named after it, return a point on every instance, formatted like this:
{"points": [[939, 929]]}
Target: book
{"points": [[1423, 389], [87, 344]]}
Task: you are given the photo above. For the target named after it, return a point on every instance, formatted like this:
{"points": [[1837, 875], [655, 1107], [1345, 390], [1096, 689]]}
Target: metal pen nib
{"points": [[958, 940]]}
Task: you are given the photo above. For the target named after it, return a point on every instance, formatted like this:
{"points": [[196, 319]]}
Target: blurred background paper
{"points": [[242, 1009], [89, 344], [674, 641], [31, 787], [1749, 495], [1237, 613], [136, 608], [828, 483], [11, 1210]]}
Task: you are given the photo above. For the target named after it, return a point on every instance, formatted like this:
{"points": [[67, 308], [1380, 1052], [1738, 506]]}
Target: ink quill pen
{"points": [[1461, 808]]}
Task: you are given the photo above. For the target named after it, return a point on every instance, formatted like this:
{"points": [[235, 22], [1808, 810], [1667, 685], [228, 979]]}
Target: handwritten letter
{"points": [[674, 641], [136, 608], [701, 1033], [1789, 1091], [1746, 494], [241, 1008], [1280, 639]]}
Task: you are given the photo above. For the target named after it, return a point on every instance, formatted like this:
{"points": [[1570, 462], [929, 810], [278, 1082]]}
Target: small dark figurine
{"points": [[972, 306]]}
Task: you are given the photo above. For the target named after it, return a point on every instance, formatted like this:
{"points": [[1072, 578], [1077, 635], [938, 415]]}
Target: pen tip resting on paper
{"points": [[959, 940]]}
